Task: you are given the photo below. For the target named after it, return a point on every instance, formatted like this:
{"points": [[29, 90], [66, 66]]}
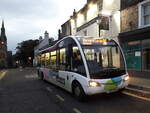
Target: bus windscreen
{"points": [[104, 61]]}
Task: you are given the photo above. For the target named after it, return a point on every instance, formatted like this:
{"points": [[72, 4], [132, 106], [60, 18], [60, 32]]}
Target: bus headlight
{"points": [[93, 84], [126, 78]]}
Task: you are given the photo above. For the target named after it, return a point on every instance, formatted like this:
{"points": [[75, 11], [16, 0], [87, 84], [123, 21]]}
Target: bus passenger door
{"points": [[65, 56], [63, 67], [69, 57], [62, 79]]}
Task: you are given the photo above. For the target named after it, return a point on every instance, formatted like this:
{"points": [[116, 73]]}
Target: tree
{"points": [[25, 51]]}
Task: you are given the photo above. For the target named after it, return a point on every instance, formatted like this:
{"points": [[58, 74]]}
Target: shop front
{"points": [[136, 47]]}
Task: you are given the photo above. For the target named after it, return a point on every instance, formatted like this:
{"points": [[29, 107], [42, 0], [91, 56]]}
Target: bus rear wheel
{"points": [[41, 76], [79, 92]]}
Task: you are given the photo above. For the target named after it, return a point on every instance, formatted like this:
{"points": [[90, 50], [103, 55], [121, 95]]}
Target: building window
{"points": [[144, 14]]}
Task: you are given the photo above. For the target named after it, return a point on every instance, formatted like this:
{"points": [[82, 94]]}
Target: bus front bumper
{"points": [[105, 88]]}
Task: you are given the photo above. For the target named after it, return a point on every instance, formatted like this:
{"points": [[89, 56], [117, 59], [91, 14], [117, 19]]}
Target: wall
{"points": [[92, 30], [111, 5], [73, 26], [66, 28], [129, 18], [112, 9]]}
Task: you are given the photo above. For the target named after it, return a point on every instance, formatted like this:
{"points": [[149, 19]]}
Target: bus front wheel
{"points": [[79, 92]]}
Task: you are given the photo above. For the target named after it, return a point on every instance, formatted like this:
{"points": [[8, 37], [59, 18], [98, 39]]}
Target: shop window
{"points": [[146, 54], [132, 51], [144, 13]]}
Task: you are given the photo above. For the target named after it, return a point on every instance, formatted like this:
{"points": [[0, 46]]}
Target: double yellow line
{"points": [[2, 74]]}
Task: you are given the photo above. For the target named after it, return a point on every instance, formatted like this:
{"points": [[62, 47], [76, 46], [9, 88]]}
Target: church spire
{"points": [[2, 23], [3, 28], [3, 35]]}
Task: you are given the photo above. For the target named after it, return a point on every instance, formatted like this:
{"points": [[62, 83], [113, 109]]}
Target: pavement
{"points": [[139, 86], [2, 73]]}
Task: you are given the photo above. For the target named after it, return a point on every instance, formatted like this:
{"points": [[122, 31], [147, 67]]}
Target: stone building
{"points": [[3, 47], [135, 35], [98, 18]]}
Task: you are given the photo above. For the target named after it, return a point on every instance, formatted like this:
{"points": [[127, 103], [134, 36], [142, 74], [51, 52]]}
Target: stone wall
{"points": [[129, 18]]}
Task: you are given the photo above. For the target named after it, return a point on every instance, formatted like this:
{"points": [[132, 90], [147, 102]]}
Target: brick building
{"points": [[135, 35]]}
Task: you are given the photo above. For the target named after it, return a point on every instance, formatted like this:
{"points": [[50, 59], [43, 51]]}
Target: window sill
{"points": [[144, 26]]}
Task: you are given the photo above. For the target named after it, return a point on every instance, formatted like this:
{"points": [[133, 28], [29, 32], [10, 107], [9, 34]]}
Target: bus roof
{"points": [[83, 40]]}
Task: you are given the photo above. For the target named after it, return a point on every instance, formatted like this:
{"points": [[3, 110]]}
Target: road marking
{"points": [[31, 76], [49, 89], [133, 95], [76, 110], [60, 98], [3, 74]]}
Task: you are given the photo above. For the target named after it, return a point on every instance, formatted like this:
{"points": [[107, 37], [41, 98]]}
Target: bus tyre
{"points": [[79, 92], [41, 76], [121, 90], [38, 73]]}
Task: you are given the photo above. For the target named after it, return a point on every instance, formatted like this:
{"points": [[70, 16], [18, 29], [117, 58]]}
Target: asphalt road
{"points": [[22, 92]]}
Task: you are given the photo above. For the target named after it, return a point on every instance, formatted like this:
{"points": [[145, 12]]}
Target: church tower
{"points": [[3, 47], [3, 38]]}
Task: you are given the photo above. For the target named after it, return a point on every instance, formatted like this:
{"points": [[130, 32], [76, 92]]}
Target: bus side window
{"points": [[62, 59], [43, 60], [53, 59], [77, 62]]}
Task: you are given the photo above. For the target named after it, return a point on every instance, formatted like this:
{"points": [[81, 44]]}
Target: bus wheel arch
{"points": [[78, 91], [41, 75]]}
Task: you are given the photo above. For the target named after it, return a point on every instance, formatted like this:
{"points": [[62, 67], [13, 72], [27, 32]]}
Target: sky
{"points": [[29, 19]]}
